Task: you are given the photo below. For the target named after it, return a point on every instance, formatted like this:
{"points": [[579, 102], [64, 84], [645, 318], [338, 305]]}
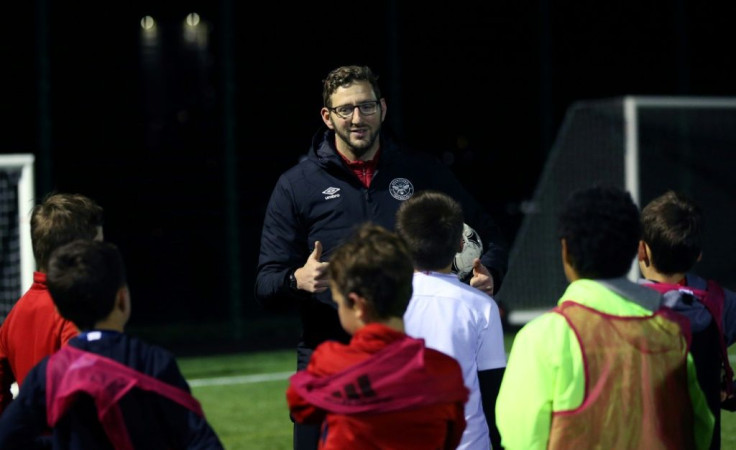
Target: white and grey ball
{"points": [[462, 265]]}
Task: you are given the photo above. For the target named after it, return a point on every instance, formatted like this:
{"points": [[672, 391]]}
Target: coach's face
{"points": [[356, 116]]}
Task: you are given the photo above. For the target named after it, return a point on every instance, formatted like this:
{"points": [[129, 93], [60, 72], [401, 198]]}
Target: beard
{"points": [[359, 147]]}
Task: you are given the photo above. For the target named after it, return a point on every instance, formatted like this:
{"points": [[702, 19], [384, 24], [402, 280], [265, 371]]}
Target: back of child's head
{"points": [[601, 229], [375, 264], [431, 224], [84, 278], [672, 226], [61, 218]]}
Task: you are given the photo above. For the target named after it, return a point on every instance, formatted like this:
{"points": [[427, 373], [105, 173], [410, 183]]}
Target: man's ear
{"points": [[325, 114]]}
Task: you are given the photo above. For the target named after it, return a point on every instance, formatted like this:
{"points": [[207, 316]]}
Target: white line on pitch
{"points": [[259, 378], [240, 379]]}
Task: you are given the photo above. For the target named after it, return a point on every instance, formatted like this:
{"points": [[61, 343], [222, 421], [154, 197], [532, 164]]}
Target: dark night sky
{"points": [[487, 82]]}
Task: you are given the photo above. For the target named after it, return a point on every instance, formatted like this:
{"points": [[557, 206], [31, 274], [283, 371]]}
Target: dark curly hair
{"points": [[601, 227], [344, 76]]}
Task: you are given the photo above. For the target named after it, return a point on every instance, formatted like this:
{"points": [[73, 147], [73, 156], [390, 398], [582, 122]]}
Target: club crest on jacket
{"points": [[401, 188]]}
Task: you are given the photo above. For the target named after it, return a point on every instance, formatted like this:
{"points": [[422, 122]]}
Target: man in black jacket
{"points": [[352, 174]]}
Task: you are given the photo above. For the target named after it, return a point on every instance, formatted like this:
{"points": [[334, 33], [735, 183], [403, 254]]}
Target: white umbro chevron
{"points": [[331, 192]]}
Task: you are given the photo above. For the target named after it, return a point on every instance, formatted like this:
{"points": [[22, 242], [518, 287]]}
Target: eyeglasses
{"points": [[346, 111]]}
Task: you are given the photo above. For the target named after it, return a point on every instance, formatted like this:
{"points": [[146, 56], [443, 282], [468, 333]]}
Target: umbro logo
{"points": [[331, 192]]}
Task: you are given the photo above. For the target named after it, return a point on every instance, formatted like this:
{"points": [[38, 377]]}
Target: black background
{"points": [[483, 85]]}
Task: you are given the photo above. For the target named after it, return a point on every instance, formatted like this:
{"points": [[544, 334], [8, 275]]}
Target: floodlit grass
{"points": [[245, 415], [254, 416], [248, 416], [728, 430], [238, 364]]}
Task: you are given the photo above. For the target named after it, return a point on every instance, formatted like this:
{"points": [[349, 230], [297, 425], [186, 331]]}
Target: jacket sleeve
{"points": [[24, 421], [302, 411], [283, 249], [729, 316], [489, 382], [533, 380], [702, 416], [200, 434], [6, 381], [194, 430], [6, 375]]}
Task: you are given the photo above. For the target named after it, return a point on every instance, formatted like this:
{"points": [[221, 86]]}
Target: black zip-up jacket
{"points": [[321, 199], [152, 421]]}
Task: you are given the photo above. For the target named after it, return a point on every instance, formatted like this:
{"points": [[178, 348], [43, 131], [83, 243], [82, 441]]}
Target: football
{"points": [[462, 265]]}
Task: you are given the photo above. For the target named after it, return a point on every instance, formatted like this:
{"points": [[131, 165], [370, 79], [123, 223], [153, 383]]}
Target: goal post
{"points": [[17, 194], [646, 145]]}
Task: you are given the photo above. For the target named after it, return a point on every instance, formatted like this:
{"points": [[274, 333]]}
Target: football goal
{"points": [[645, 145], [16, 254]]}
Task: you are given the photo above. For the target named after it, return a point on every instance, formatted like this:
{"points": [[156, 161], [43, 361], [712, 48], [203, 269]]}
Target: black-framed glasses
{"points": [[346, 111]]}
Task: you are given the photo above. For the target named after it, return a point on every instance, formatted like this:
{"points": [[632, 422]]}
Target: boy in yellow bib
{"points": [[606, 368]]}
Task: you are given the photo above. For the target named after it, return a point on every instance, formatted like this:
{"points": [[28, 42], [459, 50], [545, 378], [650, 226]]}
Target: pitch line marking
{"points": [[240, 379]]}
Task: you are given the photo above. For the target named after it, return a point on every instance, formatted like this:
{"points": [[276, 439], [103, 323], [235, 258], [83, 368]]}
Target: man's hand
{"points": [[728, 401], [482, 278], [312, 276]]}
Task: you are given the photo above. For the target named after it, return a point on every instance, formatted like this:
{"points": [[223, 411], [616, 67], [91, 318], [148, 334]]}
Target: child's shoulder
{"points": [[332, 356]]}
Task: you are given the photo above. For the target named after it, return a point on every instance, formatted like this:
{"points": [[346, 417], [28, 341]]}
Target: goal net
{"points": [[16, 254], [645, 145]]}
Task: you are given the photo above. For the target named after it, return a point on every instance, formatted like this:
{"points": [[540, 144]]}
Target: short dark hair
{"points": [[672, 226], [59, 219], [375, 264], [344, 76], [431, 224], [83, 279], [601, 227]]}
